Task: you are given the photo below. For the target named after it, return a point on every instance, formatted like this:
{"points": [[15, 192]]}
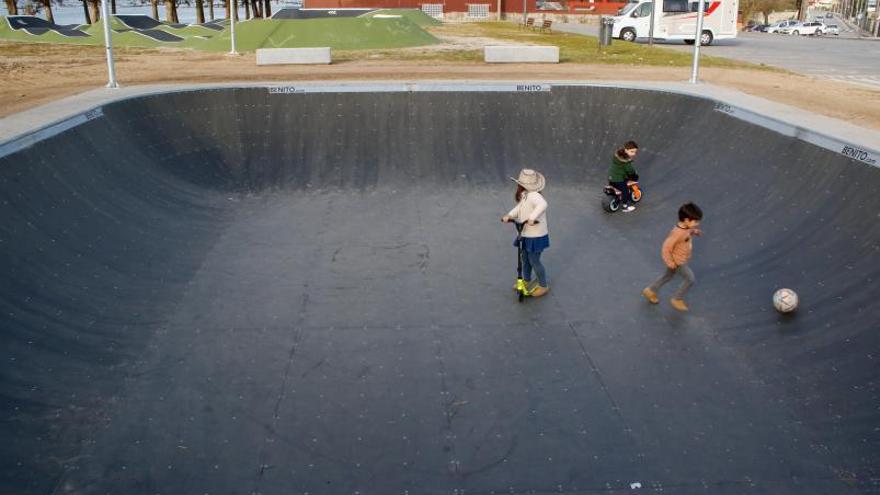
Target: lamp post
{"points": [[233, 6], [108, 45], [698, 41]]}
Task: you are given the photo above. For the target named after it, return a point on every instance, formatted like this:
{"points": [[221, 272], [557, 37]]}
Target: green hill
{"points": [[362, 33]]}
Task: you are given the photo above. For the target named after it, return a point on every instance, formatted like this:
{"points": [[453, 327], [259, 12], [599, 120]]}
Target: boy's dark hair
{"points": [[630, 145], [689, 211]]}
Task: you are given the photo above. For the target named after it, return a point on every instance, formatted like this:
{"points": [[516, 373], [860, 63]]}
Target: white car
{"points": [[832, 29], [805, 29], [777, 27]]}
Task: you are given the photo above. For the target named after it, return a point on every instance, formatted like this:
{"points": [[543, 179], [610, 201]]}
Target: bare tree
{"points": [[47, 4], [171, 11], [267, 10], [11, 7], [256, 6], [211, 9], [94, 11], [247, 9], [154, 9], [200, 12], [86, 12]]}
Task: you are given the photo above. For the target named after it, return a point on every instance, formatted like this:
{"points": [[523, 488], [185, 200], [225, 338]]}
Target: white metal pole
{"points": [[234, 7], [651, 28], [108, 43], [698, 41]]}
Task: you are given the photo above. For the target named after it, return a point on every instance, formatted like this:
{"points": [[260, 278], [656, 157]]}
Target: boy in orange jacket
{"points": [[676, 253]]}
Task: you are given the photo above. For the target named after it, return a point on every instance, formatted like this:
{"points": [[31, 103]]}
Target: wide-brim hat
{"points": [[531, 180]]}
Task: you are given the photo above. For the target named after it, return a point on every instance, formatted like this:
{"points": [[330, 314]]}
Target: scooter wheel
{"points": [[636, 196], [610, 204]]}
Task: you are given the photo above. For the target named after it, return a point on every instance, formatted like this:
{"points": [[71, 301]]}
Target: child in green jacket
{"points": [[622, 171]]}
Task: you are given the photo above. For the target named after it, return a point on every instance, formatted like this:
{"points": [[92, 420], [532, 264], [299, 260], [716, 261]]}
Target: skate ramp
{"points": [[241, 291]]}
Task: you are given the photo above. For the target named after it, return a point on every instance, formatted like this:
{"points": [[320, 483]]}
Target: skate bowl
{"points": [[263, 290]]}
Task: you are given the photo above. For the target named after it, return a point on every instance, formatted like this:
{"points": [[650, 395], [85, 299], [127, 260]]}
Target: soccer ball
{"points": [[785, 300]]}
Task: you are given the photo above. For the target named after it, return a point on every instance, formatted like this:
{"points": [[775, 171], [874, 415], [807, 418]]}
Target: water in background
{"points": [[73, 13]]}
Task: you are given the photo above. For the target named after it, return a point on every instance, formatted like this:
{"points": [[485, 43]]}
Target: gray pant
{"points": [[686, 273]]}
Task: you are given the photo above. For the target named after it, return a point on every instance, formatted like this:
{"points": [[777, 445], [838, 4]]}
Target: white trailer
{"points": [[676, 20]]}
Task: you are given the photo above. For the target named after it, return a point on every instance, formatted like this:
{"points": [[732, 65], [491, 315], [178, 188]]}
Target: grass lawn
{"points": [[347, 33], [416, 16], [574, 48], [402, 39]]}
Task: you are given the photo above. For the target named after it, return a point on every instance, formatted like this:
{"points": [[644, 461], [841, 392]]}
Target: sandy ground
{"points": [[32, 74]]}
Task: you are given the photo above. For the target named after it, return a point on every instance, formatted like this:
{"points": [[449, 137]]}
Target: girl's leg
{"points": [[535, 262], [526, 267]]}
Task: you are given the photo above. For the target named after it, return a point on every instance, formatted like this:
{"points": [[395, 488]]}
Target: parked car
{"points": [[809, 29], [829, 16], [758, 28], [832, 29], [777, 27]]}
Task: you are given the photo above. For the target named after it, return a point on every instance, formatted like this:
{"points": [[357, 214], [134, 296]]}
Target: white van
{"points": [[676, 20]]}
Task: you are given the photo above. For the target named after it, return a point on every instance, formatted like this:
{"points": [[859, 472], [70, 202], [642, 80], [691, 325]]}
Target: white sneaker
{"points": [[628, 208]]}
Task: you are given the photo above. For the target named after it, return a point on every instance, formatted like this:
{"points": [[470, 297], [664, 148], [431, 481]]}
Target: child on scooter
{"points": [[622, 171], [531, 210], [676, 253]]}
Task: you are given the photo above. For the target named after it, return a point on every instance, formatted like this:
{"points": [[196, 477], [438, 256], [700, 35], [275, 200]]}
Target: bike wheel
{"points": [[610, 204]]}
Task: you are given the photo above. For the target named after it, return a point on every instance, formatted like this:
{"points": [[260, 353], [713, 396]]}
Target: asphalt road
{"points": [[844, 59]]}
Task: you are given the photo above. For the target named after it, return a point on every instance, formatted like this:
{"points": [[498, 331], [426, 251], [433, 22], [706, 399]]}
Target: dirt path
{"points": [[32, 74]]}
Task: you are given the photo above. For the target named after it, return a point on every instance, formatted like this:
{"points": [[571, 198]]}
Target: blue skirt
{"points": [[535, 244]]}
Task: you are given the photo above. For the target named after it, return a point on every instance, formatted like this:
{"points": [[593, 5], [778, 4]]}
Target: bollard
{"points": [[606, 29]]}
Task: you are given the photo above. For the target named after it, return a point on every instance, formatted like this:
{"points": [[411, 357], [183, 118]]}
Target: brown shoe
{"points": [[540, 291], [679, 304], [650, 295]]}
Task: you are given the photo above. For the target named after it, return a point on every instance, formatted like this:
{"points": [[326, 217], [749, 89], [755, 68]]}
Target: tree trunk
{"points": [[154, 8], [113, 7], [211, 9], [11, 7], [247, 9], [267, 11], [233, 5], [256, 6], [86, 12], [49, 15], [94, 11], [200, 12], [171, 11]]}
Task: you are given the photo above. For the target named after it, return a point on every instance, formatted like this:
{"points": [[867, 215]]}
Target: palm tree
{"points": [[11, 7]]}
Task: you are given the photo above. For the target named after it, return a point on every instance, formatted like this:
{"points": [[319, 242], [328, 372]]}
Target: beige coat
{"points": [[533, 206]]}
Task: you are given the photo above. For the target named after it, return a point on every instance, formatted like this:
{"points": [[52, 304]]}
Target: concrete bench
{"points": [[521, 54], [282, 56]]}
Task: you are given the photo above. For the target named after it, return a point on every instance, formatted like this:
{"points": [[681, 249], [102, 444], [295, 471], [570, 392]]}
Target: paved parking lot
{"points": [[852, 60]]}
